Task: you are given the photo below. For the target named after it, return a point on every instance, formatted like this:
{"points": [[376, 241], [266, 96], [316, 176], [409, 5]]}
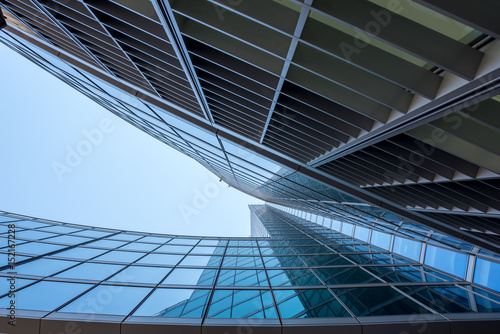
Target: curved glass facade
{"points": [[302, 270]]}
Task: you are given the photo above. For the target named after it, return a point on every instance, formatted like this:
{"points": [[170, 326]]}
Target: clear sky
{"points": [[126, 180]]}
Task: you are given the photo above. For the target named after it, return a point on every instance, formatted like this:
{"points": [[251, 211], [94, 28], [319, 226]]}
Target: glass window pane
{"points": [[242, 261], [407, 247], [161, 259], [81, 253], [289, 277], [141, 274], [446, 260], [315, 303], [106, 244], [487, 274], [200, 260], [108, 299], [381, 239], [46, 296], [37, 248], [187, 276], [443, 299], [120, 256], [44, 267], [242, 278], [242, 304], [174, 249], [377, 301], [91, 271], [345, 275], [175, 303], [139, 246], [361, 233]]}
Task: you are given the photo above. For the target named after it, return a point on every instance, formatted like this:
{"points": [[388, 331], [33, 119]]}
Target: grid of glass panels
{"points": [[302, 270]]}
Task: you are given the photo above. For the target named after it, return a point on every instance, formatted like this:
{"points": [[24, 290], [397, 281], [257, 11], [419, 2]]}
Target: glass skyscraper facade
{"points": [[369, 127], [376, 108], [99, 279]]}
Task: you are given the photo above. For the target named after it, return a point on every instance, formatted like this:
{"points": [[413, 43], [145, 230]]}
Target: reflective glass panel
{"points": [[242, 261], [201, 260], [161, 259], [446, 260], [377, 301], [81, 253], [108, 299], [487, 273], [314, 303], [119, 256], [141, 274], [44, 267], [289, 277], [47, 296], [187, 276], [242, 278], [345, 275], [175, 303], [407, 247], [242, 304], [443, 299], [91, 271]]}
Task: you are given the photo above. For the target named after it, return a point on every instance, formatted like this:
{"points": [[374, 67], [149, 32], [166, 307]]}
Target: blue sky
{"points": [[123, 178]]}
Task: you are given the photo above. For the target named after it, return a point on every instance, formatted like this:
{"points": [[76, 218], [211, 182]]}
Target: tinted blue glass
{"points": [[126, 237], [141, 274], [38, 248], [34, 235], [165, 302], [289, 277], [7, 284], [487, 273], [81, 253], [92, 233], [61, 229], [377, 301], [174, 249], [200, 260], [106, 243], [242, 304], [108, 299], [381, 239], [91, 271], [207, 250], [345, 275], [120, 256], [139, 246], [242, 278], [212, 242], [156, 240], [68, 240], [187, 276], [487, 302], [407, 247], [182, 241], [443, 299], [44, 267], [314, 303], [161, 259], [361, 233], [446, 260], [46, 296], [242, 261]]}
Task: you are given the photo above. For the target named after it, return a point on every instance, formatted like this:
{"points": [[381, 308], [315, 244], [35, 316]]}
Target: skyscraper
{"points": [[79, 279], [378, 108]]}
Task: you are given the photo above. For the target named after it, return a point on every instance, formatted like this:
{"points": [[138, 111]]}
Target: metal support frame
{"points": [[167, 18]]}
